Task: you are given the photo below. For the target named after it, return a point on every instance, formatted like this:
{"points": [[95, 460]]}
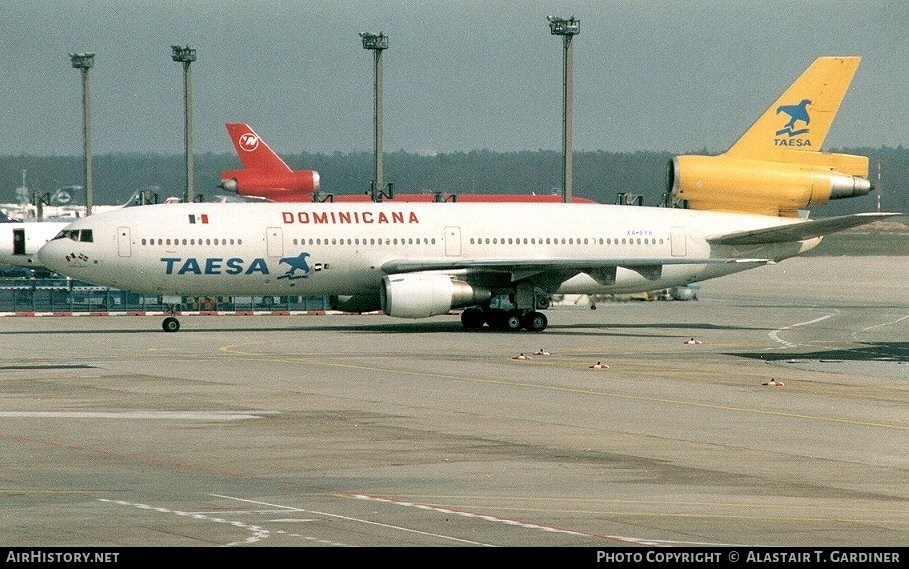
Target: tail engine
{"points": [[724, 183], [296, 186]]}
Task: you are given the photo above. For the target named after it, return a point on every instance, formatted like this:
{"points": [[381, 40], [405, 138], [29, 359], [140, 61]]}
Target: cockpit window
{"points": [[83, 235]]}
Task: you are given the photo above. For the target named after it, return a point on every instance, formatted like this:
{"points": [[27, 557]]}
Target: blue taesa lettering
{"points": [[214, 266]]}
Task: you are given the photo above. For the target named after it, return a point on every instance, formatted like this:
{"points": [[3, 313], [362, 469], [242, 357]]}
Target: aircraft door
{"points": [[18, 242], [124, 242], [275, 242], [677, 241], [453, 241]]}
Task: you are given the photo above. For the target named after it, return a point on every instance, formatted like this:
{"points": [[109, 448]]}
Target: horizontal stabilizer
{"points": [[799, 231]]}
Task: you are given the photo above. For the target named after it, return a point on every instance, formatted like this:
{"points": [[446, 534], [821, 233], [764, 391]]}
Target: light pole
{"points": [[186, 55], [567, 29], [377, 43], [84, 62]]}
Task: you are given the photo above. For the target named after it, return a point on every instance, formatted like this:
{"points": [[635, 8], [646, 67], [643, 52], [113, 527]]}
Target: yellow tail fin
{"points": [[798, 122]]}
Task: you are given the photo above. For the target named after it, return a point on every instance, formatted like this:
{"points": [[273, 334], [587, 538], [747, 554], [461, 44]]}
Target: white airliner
{"points": [[20, 241], [417, 260]]}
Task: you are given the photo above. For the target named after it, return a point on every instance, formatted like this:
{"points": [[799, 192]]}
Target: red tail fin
{"points": [[254, 153]]}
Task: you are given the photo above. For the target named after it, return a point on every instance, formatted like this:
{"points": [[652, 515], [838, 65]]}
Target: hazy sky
{"points": [[665, 75]]}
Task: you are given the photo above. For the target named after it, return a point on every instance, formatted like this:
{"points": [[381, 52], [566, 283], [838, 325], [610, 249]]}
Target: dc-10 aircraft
{"points": [[414, 260]]}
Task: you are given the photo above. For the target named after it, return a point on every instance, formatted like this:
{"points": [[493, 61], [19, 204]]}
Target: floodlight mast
{"points": [[567, 29], [377, 43], [186, 56], [84, 62]]}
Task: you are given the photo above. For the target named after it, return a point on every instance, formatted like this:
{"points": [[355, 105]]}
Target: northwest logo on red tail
{"points": [[248, 141]]}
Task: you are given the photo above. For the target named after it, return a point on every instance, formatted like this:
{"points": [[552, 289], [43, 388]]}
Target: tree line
{"points": [[598, 175]]}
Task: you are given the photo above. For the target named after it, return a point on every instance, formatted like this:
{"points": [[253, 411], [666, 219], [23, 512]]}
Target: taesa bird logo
{"points": [[796, 113], [297, 263]]}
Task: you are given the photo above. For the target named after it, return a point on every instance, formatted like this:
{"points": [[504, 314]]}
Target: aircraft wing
{"points": [[549, 274], [522, 268], [798, 231]]}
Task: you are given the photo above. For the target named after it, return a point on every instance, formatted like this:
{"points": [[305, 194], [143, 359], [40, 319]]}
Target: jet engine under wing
{"points": [[798, 231]]}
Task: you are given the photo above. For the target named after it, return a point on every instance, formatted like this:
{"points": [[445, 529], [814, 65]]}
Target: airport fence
{"points": [[68, 295]]}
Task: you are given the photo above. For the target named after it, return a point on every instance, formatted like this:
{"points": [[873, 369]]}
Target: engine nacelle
{"points": [[228, 184], [298, 186], [724, 183], [420, 295]]}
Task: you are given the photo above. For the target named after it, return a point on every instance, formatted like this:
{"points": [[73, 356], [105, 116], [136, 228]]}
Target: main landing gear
{"points": [[507, 320]]}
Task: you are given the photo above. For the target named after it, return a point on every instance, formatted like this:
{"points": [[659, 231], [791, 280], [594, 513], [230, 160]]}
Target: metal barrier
{"points": [[67, 295]]}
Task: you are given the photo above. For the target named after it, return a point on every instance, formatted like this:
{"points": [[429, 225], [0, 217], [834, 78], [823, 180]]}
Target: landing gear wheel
{"points": [[473, 318], [512, 321], [170, 324], [495, 318], [535, 321]]}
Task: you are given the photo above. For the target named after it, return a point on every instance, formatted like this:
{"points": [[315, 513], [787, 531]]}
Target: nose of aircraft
{"points": [[49, 256]]}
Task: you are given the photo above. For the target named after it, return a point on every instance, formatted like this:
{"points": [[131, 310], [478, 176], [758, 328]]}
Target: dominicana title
{"points": [[349, 217]]}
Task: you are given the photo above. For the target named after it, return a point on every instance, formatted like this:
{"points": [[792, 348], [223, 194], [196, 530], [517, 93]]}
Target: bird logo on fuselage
{"points": [[796, 113], [297, 263]]}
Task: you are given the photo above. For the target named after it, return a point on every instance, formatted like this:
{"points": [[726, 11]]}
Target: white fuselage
{"points": [[347, 249]]}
